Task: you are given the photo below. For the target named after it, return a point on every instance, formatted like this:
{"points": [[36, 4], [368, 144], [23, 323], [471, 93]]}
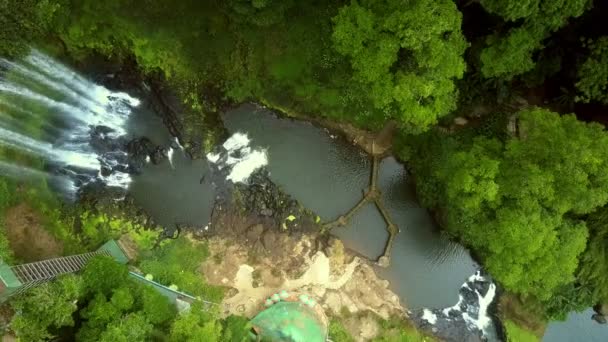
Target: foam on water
{"points": [[170, 156], [483, 320], [239, 158], [429, 316]]}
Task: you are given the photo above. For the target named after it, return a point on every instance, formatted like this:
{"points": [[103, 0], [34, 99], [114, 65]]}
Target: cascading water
{"points": [[51, 112]]}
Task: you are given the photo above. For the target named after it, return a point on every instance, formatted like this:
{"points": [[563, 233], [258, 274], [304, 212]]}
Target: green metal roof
{"points": [[115, 251], [289, 321]]}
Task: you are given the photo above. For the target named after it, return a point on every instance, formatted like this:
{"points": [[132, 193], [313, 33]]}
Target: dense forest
{"points": [[499, 106]]}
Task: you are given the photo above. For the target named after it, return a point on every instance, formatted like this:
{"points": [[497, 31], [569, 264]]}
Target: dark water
{"points": [[577, 328], [171, 192], [328, 175]]}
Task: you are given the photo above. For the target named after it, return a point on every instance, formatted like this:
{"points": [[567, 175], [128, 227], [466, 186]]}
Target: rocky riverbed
{"points": [[261, 239]]}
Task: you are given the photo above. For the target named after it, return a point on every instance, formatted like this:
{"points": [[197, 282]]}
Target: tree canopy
{"points": [[511, 53], [407, 56], [521, 218], [593, 73]]}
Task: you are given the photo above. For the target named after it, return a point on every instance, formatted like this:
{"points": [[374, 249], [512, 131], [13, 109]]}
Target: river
{"points": [[328, 174], [324, 172]]}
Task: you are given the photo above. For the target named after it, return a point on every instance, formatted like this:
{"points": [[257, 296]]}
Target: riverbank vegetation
{"points": [[499, 104], [105, 304]]}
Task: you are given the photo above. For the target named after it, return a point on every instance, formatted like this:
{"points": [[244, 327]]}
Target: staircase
{"points": [[18, 278]]}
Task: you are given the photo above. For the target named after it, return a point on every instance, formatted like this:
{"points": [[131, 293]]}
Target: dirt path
{"points": [[27, 236]]}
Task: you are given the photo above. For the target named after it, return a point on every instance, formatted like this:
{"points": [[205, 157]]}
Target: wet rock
{"points": [[139, 151], [263, 198], [140, 147], [463, 321], [601, 309], [254, 232], [269, 239], [266, 212], [601, 319], [460, 121], [159, 154], [103, 139], [258, 248]]}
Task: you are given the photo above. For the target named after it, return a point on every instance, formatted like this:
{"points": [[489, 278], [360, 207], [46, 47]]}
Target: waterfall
{"points": [[51, 112]]}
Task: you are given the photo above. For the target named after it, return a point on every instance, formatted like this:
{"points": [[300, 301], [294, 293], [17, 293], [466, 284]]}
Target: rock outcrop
{"points": [[469, 319]]}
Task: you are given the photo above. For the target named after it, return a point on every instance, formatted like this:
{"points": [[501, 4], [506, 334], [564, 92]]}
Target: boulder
{"points": [[460, 121], [138, 151], [601, 319], [159, 154], [102, 140], [255, 232], [269, 239], [601, 309]]}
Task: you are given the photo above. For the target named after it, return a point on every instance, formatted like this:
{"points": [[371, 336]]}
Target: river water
{"points": [[325, 173], [328, 175]]}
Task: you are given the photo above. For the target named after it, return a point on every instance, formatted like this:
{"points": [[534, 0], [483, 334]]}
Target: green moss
{"points": [[397, 330], [338, 333], [177, 262], [516, 333]]}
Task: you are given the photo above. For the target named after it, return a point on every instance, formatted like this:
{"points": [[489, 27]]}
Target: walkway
{"points": [[373, 194]]}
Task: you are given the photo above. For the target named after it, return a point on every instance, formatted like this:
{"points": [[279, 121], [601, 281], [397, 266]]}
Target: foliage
{"points": [[519, 218], [260, 12], [103, 274], [527, 313], [515, 333], [97, 228], [338, 333], [511, 53], [197, 326], [46, 308], [236, 328], [593, 272], [115, 307], [131, 328], [568, 298], [396, 330], [177, 262], [407, 56], [6, 254], [593, 73], [28, 20]]}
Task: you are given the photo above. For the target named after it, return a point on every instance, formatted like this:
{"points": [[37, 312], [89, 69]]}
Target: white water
{"points": [[170, 156], [429, 316], [178, 144], [483, 321], [239, 157], [42, 91]]}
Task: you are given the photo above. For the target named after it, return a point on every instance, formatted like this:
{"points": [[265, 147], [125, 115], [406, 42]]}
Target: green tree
{"points": [[197, 325], [46, 308], [236, 329], [593, 73], [157, 309], [133, 327], [593, 271], [22, 22], [261, 12], [517, 203], [103, 274], [511, 53], [177, 263], [406, 56]]}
